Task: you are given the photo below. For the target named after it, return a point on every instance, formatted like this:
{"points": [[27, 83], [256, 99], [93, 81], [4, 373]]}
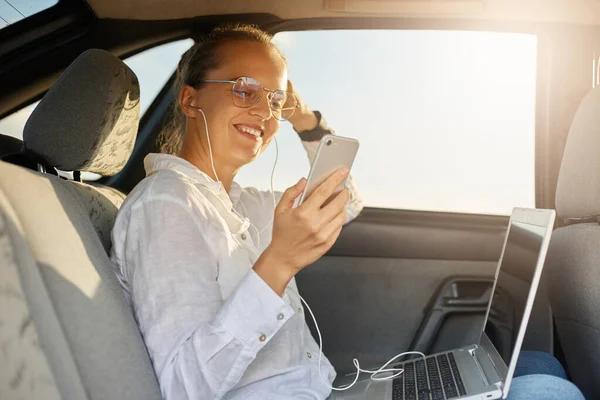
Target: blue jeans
{"points": [[539, 376]]}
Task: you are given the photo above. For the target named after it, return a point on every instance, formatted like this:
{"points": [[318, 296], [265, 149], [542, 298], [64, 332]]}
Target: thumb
{"points": [[290, 195]]}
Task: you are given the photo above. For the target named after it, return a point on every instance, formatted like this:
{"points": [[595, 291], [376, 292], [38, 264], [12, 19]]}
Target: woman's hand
{"points": [[302, 235], [304, 118]]}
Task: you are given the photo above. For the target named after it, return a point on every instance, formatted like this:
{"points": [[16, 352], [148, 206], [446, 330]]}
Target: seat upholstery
{"points": [[101, 203], [24, 362], [58, 232], [85, 121], [573, 263]]}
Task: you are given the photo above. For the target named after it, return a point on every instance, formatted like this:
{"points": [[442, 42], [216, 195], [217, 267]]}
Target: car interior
{"points": [[397, 279]]}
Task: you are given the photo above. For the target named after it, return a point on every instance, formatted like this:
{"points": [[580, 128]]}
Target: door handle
{"points": [[481, 301], [462, 295]]}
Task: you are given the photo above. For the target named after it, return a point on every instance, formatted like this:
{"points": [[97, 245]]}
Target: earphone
{"points": [[395, 371]]}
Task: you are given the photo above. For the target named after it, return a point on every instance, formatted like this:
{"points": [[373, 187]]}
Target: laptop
{"points": [[477, 371]]}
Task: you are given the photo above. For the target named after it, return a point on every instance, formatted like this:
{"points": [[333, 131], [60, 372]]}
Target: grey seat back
{"points": [[26, 372], [58, 231], [573, 266]]}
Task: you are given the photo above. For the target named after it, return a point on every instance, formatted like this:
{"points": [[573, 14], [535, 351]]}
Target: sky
{"points": [[445, 119], [12, 11]]}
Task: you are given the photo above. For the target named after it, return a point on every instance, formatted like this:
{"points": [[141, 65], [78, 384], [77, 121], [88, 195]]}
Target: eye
{"points": [[244, 94], [278, 100], [276, 104]]}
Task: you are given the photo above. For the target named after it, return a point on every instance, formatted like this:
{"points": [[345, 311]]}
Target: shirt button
{"points": [[244, 236], [262, 338], [280, 316], [308, 354], [300, 309]]}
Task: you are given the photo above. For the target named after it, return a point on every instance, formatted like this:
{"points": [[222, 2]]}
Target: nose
{"points": [[262, 108]]}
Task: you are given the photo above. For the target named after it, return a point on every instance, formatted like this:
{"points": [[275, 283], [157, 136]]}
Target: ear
{"points": [[187, 97]]}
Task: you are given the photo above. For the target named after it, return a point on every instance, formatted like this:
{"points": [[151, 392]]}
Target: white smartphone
{"points": [[334, 152]]}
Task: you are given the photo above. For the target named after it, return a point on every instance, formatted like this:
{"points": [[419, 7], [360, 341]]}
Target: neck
{"points": [[200, 158]]}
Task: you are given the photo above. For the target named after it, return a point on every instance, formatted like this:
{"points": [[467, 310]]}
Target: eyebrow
{"points": [[245, 76]]}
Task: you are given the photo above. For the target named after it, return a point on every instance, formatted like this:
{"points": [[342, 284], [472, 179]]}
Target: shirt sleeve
{"points": [[199, 344]]}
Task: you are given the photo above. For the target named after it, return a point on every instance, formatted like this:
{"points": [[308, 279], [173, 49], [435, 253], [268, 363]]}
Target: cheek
{"points": [[273, 127], [217, 107], [222, 116]]}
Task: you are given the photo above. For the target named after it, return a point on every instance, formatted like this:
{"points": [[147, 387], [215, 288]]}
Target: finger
{"points": [[290, 195], [325, 189], [335, 206], [333, 229]]}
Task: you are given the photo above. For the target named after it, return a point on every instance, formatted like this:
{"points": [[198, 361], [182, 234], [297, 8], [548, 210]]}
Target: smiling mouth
{"points": [[250, 132]]}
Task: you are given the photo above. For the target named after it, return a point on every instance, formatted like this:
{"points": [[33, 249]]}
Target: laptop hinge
{"points": [[479, 368], [499, 370], [486, 366]]}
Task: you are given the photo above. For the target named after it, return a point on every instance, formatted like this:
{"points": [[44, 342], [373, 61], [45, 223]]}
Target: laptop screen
{"points": [[516, 270]]}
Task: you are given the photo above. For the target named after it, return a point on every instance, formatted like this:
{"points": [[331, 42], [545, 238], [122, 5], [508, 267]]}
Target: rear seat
{"points": [[66, 330]]}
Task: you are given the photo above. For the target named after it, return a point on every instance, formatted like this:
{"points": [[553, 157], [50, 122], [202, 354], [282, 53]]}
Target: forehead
{"points": [[255, 60]]}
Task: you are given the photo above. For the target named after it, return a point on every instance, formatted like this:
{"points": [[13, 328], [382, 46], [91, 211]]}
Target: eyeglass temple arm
{"points": [[217, 81]]}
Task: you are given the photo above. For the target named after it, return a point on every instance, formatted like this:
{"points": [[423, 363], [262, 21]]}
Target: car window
{"points": [[13, 124], [445, 119], [12, 11], [153, 68]]}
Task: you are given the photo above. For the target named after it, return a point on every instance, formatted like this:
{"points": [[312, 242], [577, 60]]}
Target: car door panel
{"points": [[372, 308], [377, 290]]}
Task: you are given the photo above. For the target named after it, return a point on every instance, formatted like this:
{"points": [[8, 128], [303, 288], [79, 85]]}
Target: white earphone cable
{"points": [[396, 371], [272, 191], [212, 162]]}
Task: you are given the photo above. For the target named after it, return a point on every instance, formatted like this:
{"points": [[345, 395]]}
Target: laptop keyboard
{"points": [[431, 378]]}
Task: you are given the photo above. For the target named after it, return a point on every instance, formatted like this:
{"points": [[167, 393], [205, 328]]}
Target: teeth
{"points": [[251, 131]]}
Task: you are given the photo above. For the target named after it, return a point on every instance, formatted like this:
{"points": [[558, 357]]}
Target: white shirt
{"points": [[213, 328]]}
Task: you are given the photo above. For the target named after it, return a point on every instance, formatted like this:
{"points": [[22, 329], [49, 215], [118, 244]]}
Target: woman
{"points": [[208, 266]]}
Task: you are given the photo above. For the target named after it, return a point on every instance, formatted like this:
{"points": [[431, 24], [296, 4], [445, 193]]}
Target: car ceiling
{"points": [[584, 12]]}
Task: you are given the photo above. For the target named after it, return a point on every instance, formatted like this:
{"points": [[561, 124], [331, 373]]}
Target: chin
{"points": [[246, 158], [245, 153]]}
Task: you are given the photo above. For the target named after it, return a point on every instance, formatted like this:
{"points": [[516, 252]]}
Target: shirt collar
{"points": [[155, 162], [223, 201]]}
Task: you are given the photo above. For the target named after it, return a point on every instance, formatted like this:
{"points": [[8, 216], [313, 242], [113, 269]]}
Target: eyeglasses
{"points": [[247, 92]]}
